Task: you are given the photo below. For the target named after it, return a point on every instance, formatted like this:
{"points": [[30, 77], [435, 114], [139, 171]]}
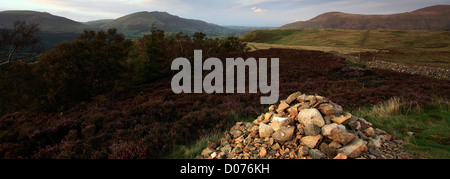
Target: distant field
{"points": [[344, 50], [368, 39], [417, 47]]}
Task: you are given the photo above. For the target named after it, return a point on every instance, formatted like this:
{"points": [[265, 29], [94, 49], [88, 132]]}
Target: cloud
{"points": [[258, 10], [249, 3], [86, 10]]}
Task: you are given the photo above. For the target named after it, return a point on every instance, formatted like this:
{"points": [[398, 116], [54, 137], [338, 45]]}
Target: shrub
{"points": [[149, 120], [88, 66]]}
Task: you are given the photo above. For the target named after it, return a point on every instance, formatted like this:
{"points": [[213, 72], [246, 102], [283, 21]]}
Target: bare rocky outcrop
{"points": [[305, 127]]}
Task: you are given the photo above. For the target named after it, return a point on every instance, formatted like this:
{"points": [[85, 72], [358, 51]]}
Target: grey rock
{"points": [[226, 149], [316, 154], [375, 152], [374, 143], [326, 129], [337, 108], [303, 150], [236, 150], [312, 129]]}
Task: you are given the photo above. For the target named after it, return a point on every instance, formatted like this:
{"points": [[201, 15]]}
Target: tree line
{"points": [[97, 62]]}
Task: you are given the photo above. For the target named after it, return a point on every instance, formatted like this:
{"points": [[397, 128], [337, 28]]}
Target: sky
{"points": [[268, 13]]}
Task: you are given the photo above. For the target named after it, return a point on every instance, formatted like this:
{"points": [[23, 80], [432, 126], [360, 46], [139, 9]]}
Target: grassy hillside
{"points": [[374, 39], [417, 47], [140, 23], [47, 22], [53, 29], [424, 128], [429, 18], [99, 23]]}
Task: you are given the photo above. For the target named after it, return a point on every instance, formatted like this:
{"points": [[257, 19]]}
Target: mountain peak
{"points": [[141, 22], [436, 8]]}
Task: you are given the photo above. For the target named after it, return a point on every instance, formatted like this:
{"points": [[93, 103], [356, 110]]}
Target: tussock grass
{"points": [[392, 107], [429, 124], [191, 151]]}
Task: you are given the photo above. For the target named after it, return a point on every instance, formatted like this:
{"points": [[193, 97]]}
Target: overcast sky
{"points": [[222, 12]]}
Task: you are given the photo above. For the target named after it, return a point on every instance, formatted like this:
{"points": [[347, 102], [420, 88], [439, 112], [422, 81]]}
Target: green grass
{"points": [[430, 125], [191, 151], [412, 47], [373, 39], [268, 36], [343, 50]]}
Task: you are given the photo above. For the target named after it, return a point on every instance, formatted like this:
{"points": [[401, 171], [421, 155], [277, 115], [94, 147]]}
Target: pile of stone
{"points": [[303, 127]]}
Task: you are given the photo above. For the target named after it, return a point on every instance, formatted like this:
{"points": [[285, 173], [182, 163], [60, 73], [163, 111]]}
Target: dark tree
{"points": [[19, 43], [86, 67], [199, 37], [232, 44]]}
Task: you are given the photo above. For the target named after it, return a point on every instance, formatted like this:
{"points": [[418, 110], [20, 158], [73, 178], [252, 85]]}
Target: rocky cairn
{"points": [[303, 127]]}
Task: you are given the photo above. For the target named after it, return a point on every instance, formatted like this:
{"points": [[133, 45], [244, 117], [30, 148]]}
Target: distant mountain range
{"points": [[135, 24], [47, 22], [429, 18], [140, 23], [55, 29]]}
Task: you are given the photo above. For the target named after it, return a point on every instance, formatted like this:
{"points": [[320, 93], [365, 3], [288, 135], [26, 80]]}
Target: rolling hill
{"points": [[53, 29], [373, 39], [415, 47], [428, 18], [99, 23], [136, 24], [47, 22]]}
